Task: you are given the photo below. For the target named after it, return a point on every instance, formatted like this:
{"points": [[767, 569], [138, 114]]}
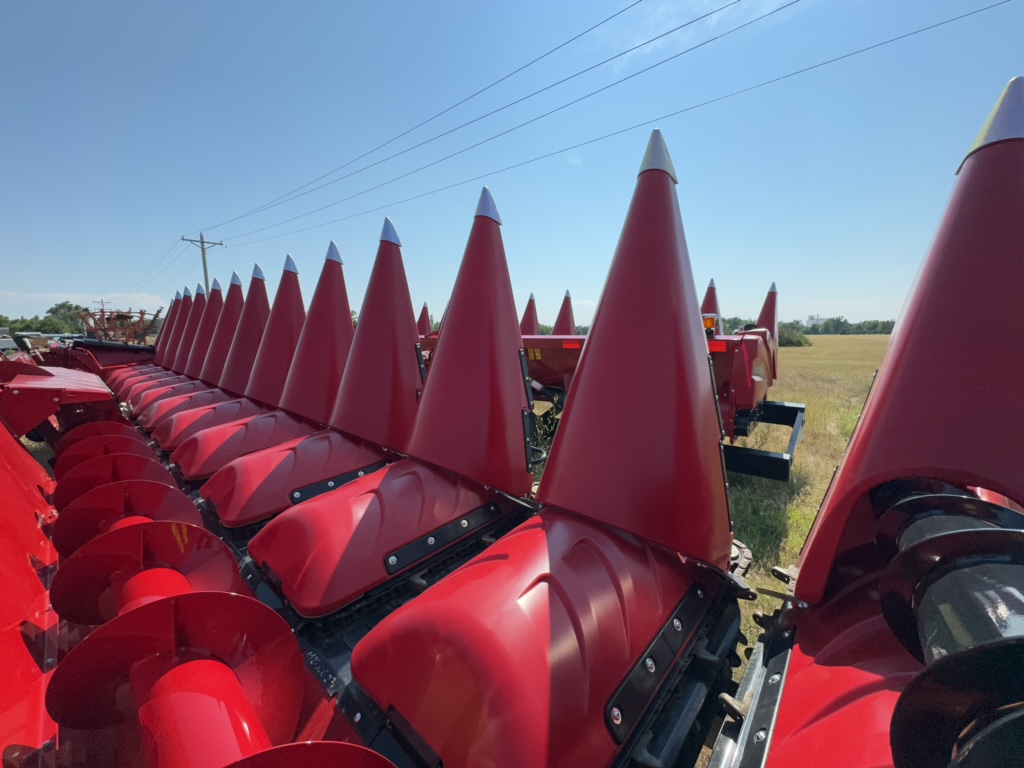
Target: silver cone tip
{"points": [[656, 158], [711, 283], [487, 207], [425, 305], [177, 295], [567, 294], [289, 264], [388, 233], [773, 289], [333, 254], [187, 293], [216, 285], [532, 297], [1006, 121], [257, 272], [235, 279], [200, 291]]}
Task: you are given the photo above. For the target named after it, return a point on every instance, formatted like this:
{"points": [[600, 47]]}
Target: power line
{"points": [[167, 266], [432, 118], [636, 126], [520, 125], [180, 275], [139, 282]]}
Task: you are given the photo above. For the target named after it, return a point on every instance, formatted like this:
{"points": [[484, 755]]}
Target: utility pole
{"points": [[202, 243]]}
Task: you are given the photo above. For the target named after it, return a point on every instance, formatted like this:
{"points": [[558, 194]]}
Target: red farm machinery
{"points": [[271, 539]]}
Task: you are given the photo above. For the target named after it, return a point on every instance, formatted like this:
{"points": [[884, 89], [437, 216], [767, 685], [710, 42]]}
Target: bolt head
{"points": [[787, 633], [330, 483], [760, 736], [649, 663], [296, 495], [360, 473], [464, 523], [616, 716], [677, 625], [801, 604], [357, 717], [700, 593], [774, 678], [392, 560], [430, 540]]}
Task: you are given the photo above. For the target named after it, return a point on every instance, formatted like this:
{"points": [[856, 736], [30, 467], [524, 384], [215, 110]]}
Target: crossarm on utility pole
{"points": [[202, 243]]}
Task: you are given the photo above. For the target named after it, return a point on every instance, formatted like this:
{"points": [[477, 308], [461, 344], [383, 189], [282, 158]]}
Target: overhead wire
{"points": [[140, 282], [637, 126], [430, 119], [514, 128]]}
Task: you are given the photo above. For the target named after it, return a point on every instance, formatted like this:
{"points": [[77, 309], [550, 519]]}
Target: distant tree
{"points": [[545, 330], [355, 318], [66, 315], [582, 330], [735, 323], [792, 335]]}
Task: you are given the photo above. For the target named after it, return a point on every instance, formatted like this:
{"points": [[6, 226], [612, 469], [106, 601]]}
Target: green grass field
{"points": [[832, 378]]}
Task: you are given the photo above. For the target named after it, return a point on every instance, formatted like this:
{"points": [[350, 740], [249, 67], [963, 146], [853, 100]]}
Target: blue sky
{"points": [[125, 125]]}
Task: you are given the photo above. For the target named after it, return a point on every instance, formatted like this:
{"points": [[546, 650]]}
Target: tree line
{"points": [[60, 318]]}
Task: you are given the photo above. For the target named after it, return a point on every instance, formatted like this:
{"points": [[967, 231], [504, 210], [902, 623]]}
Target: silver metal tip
{"points": [[200, 291], [187, 293], [567, 294], [388, 233], [486, 206], [773, 289], [289, 264], [216, 285], [333, 254], [532, 297], [656, 158], [711, 283], [235, 279], [1006, 121], [177, 295], [257, 272]]}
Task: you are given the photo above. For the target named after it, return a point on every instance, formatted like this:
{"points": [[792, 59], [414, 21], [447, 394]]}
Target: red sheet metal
{"points": [[257, 695], [925, 416], [477, 430], [175, 386], [423, 321], [845, 674], [94, 429], [28, 641], [512, 659], [138, 395], [101, 470], [193, 362], [31, 394], [100, 445], [190, 332], [277, 347], [672, 488], [106, 506], [156, 414], [260, 485], [530, 324], [565, 323], [769, 320], [212, 365], [381, 388], [323, 347], [709, 306], [246, 341], [330, 550], [202, 454], [177, 428], [129, 567], [166, 356]]}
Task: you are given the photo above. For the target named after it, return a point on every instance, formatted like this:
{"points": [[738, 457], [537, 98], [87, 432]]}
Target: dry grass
{"points": [[832, 378]]}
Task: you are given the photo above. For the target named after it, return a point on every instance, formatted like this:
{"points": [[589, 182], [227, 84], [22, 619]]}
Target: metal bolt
{"points": [[464, 523], [801, 604], [760, 736], [56, 399], [677, 625], [330, 483], [17, 392], [650, 665], [787, 633], [296, 495], [358, 716], [50, 660], [616, 716], [392, 560], [774, 679], [430, 540], [700, 593]]}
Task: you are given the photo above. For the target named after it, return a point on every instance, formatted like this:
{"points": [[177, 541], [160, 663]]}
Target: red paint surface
{"points": [[246, 341], [101, 470], [330, 550], [100, 445], [212, 365], [277, 347], [512, 659]]}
